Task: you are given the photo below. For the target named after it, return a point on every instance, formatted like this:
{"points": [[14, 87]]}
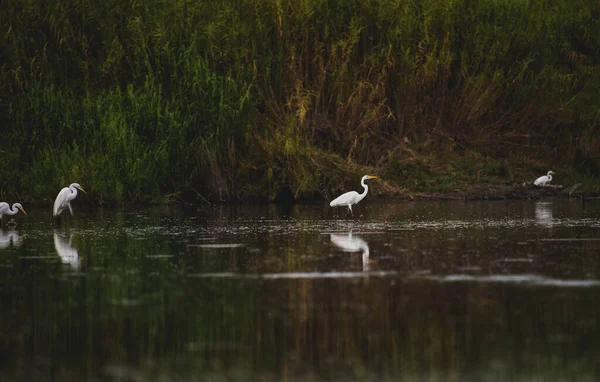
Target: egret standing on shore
{"points": [[544, 180], [63, 200], [352, 197]]}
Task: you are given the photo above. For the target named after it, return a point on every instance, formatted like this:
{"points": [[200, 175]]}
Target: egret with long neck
{"points": [[544, 180], [5, 209], [63, 200], [352, 197]]}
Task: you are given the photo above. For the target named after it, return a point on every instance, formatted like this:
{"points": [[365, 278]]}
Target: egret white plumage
{"points": [[5, 209], [352, 197], [63, 200], [544, 180]]}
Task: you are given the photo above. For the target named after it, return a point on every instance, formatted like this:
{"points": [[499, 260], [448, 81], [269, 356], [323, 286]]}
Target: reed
{"points": [[221, 101]]}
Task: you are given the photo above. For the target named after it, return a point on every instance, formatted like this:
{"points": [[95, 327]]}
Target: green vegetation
{"points": [[241, 100]]}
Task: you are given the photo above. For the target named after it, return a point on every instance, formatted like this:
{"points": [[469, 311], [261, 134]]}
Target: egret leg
{"points": [[58, 220], [70, 208], [350, 207]]}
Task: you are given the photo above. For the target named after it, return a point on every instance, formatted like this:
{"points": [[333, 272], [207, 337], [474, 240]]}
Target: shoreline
{"points": [[479, 193], [506, 192]]}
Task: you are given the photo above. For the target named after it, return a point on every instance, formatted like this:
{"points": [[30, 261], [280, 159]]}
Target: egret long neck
{"points": [[12, 210], [361, 196], [73, 192]]}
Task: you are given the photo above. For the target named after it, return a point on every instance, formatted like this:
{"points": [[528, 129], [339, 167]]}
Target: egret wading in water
{"points": [[544, 180], [5, 209], [352, 197], [63, 200]]}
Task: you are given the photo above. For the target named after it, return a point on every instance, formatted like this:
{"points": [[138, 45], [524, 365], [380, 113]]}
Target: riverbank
{"points": [[510, 192], [507, 191]]}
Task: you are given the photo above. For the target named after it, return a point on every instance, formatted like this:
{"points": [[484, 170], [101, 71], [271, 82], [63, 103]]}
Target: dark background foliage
{"points": [[244, 100]]}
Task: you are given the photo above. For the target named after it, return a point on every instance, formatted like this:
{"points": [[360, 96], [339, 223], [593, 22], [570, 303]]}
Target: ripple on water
{"points": [[525, 279], [516, 260], [126, 302], [570, 239], [231, 245], [295, 275], [53, 257]]}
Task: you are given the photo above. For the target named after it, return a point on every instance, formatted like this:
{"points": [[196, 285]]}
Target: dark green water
{"points": [[448, 291]]}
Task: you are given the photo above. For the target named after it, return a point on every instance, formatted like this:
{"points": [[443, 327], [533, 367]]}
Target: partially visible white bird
{"points": [[63, 200], [5, 209], [352, 197], [544, 180]]}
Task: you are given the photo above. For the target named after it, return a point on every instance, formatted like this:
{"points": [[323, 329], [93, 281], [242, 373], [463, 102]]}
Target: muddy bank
{"points": [[506, 192]]}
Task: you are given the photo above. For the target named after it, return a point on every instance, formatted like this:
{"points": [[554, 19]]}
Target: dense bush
{"points": [[221, 100]]}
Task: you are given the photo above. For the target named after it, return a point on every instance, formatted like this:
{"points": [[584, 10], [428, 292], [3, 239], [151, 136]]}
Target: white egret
{"points": [[544, 180], [5, 209], [63, 200], [352, 197]]}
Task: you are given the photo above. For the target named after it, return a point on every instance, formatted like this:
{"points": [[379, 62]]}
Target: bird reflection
{"points": [[63, 247], [8, 238], [543, 214], [349, 243]]}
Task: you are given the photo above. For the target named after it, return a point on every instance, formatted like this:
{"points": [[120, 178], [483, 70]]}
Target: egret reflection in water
{"points": [[349, 243], [63, 247], [543, 214], [8, 238]]}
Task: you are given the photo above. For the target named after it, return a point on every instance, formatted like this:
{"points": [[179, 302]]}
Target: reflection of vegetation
{"points": [[139, 310], [218, 100], [369, 330]]}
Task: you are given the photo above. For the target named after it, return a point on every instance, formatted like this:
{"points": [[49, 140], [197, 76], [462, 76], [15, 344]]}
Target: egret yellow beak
{"points": [[82, 190], [371, 177], [22, 210]]}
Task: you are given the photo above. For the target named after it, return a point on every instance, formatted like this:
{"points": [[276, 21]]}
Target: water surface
{"points": [[407, 291]]}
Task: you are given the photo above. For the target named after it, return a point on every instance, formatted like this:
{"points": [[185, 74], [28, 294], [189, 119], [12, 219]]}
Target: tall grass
{"points": [[235, 100]]}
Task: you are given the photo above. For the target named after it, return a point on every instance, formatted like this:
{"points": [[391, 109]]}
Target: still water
{"points": [[414, 291]]}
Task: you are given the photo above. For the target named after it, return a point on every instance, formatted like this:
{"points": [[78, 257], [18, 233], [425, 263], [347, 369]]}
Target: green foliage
{"points": [[145, 101]]}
